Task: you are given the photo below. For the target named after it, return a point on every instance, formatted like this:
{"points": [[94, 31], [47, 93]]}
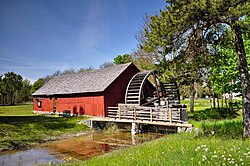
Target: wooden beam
{"points": [[142, 122], [151, 115], [170, 115], [119, 112]]}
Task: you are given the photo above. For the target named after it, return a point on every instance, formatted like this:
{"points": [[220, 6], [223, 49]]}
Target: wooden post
{"points": [[156, 86], [135, 128], [91, 123], [119, 112], [134, 113], [151, 115], [170, 115]]}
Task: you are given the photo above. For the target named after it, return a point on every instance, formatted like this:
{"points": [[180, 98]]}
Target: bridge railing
{"points": [[153, 114]]}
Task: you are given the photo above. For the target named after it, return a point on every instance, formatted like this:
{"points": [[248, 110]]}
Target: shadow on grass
{"points": [[214, 114]]}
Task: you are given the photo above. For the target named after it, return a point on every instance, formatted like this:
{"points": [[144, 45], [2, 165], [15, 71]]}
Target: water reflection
{"points": [[77, 148], [36, 156]]}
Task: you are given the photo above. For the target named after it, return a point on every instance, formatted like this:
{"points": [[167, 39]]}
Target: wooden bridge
{"points": [[158, 116], [149, 104]]}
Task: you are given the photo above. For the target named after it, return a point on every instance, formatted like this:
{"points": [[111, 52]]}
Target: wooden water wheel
{"points": [[135, 87]]}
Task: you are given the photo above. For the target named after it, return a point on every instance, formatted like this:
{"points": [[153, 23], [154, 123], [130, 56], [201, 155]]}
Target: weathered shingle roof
{"points": [[90, 81]]}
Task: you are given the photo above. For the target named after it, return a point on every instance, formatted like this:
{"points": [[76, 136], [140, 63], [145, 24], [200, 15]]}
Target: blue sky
{"points": [[38, 37]]}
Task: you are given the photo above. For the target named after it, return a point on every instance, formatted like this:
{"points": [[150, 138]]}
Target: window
{"points": [[39, 104]]}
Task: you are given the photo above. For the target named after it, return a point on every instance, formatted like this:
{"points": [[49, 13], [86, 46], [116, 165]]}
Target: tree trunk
{"points": [[222, 101], [244, 75], [211, 105], [192, 94], [12, 99], [226, 102], [218, 102], [214, 100], [231, 97]]}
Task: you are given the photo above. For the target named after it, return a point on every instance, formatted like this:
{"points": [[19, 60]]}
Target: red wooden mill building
{"points": [[87, 93]]}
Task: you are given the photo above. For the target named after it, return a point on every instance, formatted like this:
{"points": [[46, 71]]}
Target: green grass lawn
{"points": [[19, 127], [17, 110], [201, 104]]}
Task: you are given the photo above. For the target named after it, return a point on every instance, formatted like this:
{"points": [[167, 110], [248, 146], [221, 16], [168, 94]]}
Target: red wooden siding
{"points": [[88, 105], [46, 104], [115, 93]]}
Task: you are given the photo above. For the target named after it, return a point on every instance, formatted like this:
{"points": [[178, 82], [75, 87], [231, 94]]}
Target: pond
{"points": [[76, 148]]}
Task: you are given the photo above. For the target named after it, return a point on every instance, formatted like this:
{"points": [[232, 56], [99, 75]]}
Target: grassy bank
{"points": [[218, 141], [19, 128], [179, 149]]}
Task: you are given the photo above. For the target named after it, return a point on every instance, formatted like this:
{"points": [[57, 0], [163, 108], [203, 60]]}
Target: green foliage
{"points": [[37, 84], [25, 93], [224, 73], [186, 30], [12, 81], [122, 59], [11, 87]]}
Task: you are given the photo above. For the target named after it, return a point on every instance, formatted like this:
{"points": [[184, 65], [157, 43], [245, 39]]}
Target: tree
{"points": [[176, 28], [37, 84], [106, 64], [25, 93], [68, 71], [223, 71], [122, 59], [186, 72], [2, 89], [84, 69], [13, 84], [144, 60], [13, 89], [224, 75]]}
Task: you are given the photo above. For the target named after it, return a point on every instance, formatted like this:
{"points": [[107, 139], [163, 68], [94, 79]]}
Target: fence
{"points": [[152, 114]]}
